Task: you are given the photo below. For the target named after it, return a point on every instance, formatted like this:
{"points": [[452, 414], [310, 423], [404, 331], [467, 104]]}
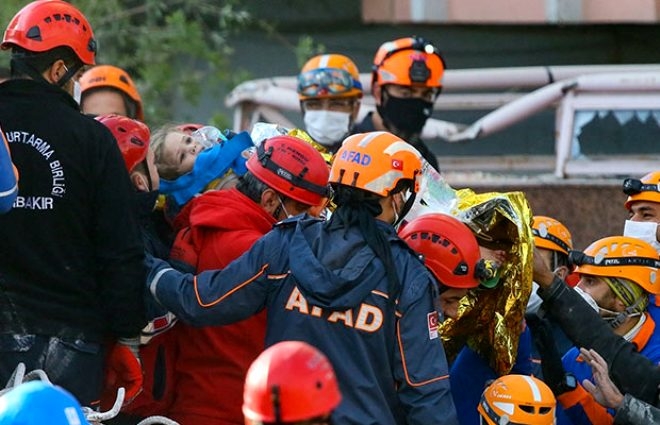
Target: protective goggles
{"points": [[551, 238], [579, 258], [326, 81], [634, 186], [264, 157]]}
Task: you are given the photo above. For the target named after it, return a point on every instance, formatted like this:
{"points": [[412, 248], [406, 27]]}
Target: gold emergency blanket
{"points": [[490, 321]]}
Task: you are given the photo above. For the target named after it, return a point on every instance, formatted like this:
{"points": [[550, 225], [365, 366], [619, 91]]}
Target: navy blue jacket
{"points": [[329, 289]]}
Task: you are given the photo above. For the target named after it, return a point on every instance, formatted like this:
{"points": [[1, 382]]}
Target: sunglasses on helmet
{"points": [[635, 186], [326, 81]]}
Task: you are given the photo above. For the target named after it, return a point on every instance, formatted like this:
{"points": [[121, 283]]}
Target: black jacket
{"points": [[71, 262], [631, 372], [367, 125]]}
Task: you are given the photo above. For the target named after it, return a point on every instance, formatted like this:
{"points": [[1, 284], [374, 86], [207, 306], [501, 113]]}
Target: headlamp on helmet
{"points": [[645, 189]]}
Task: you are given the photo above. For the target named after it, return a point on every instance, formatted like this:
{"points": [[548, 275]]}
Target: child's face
{"points": [[180, 152]]}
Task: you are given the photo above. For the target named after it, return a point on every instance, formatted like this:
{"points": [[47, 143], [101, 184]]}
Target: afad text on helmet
{"points": [[357, 157]]}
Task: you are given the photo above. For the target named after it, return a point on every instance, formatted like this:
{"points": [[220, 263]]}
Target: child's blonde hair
{"points": [[165, 170]]}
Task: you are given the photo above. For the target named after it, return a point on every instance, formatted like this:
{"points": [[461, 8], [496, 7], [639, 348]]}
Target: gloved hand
{"points": [[122, 369]]}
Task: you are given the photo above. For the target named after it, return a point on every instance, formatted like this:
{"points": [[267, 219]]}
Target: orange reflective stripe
{"points": [[405, 368], [212, 303], [644, 334], [596, 413]]}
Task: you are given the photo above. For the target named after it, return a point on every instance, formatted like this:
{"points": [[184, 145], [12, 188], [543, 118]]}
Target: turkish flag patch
{"points": [[397, 164], [432, 319]]}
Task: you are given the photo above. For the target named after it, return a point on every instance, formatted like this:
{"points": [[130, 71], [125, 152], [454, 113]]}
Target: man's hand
{"points": [[122, 369], [604, 392]]}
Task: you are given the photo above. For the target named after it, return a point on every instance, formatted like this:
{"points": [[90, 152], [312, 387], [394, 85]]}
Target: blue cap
{"points": [[40, 403]]}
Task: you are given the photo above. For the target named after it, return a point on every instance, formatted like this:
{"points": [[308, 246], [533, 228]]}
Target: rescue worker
{"points": [[147, 378], [107, 89], [643, 206], [617, 274], [349, 286], [452, 254], [517, 399], [212, 361], [8, 177], [631, 371], [406, 80], [291, 382], [553, 242], [71, 266], [329, 90], [39, 403]]}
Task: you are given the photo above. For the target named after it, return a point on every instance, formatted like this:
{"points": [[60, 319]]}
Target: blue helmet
{"points": [[38, 403]]}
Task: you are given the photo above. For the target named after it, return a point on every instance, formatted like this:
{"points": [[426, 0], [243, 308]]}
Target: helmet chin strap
{"points": [[24, 68], [70, 72], [398, 217]]}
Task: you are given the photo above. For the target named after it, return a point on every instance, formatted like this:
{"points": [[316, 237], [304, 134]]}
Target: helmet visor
{"points": [[326, 81]]}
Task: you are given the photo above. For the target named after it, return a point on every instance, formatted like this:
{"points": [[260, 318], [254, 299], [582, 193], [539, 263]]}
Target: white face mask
{"points": [[327, 127], [535, 300], [588, 298], [644, 230], [77, 92]]}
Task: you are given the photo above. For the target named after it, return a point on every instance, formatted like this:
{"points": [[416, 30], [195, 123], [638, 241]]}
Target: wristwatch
{"points": [[568, 383]]}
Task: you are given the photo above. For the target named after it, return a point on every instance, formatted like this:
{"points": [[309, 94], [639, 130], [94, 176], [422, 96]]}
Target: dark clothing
{"points": [[153, 244], [631, 371], [71, 264], [327, 287], [470, 373], [367, 125], [58, 357]]}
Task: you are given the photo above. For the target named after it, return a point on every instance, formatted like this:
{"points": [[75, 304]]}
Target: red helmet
{"points": [[449, 248], [132, 137], [46, 24], [293, 168], [189, 128], [290, 381]]}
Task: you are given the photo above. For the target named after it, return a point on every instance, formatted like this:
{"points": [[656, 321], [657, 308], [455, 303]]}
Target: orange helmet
{"points": [[621, 257], [407, 61], [293, 168], [646, 189], [551, 234], [132, 137], [518, 399], [290, 381], [376, 162], [330, 75], [46, 24], [109, 76], [448, 246]]}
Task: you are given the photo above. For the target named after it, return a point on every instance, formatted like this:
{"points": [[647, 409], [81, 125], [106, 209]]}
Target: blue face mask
{"points": [[211, 164]]}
